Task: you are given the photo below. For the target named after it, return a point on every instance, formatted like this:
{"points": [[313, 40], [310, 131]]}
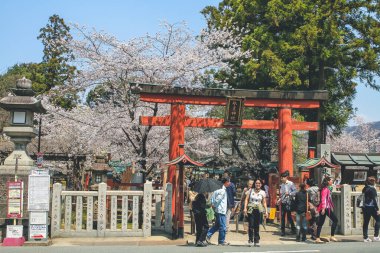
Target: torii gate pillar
{"points": [[177, 137], [285, 142]]}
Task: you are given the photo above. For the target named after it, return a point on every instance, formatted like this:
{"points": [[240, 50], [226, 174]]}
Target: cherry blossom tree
{"points": [[364, 139], [110, 120]]}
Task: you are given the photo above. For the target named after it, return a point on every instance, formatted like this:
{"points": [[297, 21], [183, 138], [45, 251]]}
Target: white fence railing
{"points": [[106, 213]]}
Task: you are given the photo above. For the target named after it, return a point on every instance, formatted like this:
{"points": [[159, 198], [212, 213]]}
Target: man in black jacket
{"points": [[370, 209], [201, 223]]}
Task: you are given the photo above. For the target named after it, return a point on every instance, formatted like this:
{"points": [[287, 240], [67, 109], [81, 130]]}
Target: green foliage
{"points": [[306, 45], [32, 71], [98, 95], [55, 37]]}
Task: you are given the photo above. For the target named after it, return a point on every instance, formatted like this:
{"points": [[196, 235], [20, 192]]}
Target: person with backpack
{"points": [[201, 223], [314, 200], [326, 208], [231, 192], [301, 201], [287, 192], [370, 209]]}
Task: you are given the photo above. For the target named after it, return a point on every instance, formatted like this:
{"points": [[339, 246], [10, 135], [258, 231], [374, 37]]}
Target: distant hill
{"points": [[375, 125]]}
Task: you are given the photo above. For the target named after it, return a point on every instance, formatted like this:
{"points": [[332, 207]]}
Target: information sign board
{"points": [[38, 192], [14, 199]]}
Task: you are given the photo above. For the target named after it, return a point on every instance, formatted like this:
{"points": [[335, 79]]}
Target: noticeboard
{"points": [[38, 192], [14, 199], [234, 111], [14, 231], [38, 232]]}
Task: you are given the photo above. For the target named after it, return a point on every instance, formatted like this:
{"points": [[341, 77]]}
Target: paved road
{"points": [[342, 247]]}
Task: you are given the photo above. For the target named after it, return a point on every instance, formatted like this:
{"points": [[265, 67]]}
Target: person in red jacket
{"points": [[326, 207]]}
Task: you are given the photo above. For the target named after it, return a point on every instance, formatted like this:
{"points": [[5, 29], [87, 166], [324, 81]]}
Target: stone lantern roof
{"points": [[24, 98]]}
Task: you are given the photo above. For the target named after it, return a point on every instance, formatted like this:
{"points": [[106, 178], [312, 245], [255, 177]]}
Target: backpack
{"points": [[315, 197], [360, 201]]}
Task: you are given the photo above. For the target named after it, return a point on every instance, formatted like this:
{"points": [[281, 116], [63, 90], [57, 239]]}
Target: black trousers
{"points": [[290, 219], [201, 227], [321, 221], [368, 212], [254, 226]]}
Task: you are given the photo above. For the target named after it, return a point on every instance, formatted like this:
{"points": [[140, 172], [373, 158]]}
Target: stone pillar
{"points": [[345, 214], [324, 150], [56, 210], [147, 209], [102, 209], [168, 208]]}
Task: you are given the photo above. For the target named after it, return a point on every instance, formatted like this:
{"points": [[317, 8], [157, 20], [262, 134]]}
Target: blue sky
{"points": [[20, 22]]}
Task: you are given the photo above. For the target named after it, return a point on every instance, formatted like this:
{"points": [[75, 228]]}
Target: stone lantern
{"points": [[22, 107]]}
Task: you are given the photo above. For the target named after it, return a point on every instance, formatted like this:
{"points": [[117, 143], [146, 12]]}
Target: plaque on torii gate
{"points": [[234, 111]]}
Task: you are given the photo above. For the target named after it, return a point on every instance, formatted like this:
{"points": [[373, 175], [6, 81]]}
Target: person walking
{"points": [[201, 223], [231, 192], [370, 209], [314, 200], [219, 203], [301, 202], [242, 203], [254, 206], [326, 207], [287, 192]]}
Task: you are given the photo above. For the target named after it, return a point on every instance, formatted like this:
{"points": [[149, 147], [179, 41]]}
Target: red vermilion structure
{"points": [[179, 163], [285, 101]]}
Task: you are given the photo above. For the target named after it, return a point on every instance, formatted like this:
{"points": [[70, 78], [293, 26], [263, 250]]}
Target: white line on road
{"points": [[281, 251]]}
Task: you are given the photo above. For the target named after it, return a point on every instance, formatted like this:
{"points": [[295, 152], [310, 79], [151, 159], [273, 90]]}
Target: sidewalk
{"points": [[269, 236]]}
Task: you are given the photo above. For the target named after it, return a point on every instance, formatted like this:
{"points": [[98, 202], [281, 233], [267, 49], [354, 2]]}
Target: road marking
{"points": [[280, 251]]}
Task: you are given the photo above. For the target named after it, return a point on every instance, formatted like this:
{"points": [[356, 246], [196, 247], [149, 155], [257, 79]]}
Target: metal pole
{"points": [[39, 136], [16, 167]]}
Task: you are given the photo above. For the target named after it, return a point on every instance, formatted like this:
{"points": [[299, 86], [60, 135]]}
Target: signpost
{"points": [[14, 199], [40, 159], [234, 111], [38, 204]]}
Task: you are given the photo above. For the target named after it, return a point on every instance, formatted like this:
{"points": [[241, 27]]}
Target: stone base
{"points": [[14, 241], [24, 164], [38, 243]]}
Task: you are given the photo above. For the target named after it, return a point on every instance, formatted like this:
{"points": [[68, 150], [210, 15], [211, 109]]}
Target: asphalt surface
{"points": [[340, 247]]}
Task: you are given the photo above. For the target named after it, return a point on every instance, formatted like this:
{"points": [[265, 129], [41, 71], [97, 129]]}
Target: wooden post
{"points": [[285, 143], [181, 223]]}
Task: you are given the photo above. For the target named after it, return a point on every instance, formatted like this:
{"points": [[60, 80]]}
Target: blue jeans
{"points": [[301, 222], [220, 224]]}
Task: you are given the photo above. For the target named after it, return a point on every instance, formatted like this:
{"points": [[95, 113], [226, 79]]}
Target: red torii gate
{"points": [[285, 101]]}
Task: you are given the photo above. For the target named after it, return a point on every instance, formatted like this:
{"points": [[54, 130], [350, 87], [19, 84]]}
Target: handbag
{"points": [[308, 213], [252, 206]]}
